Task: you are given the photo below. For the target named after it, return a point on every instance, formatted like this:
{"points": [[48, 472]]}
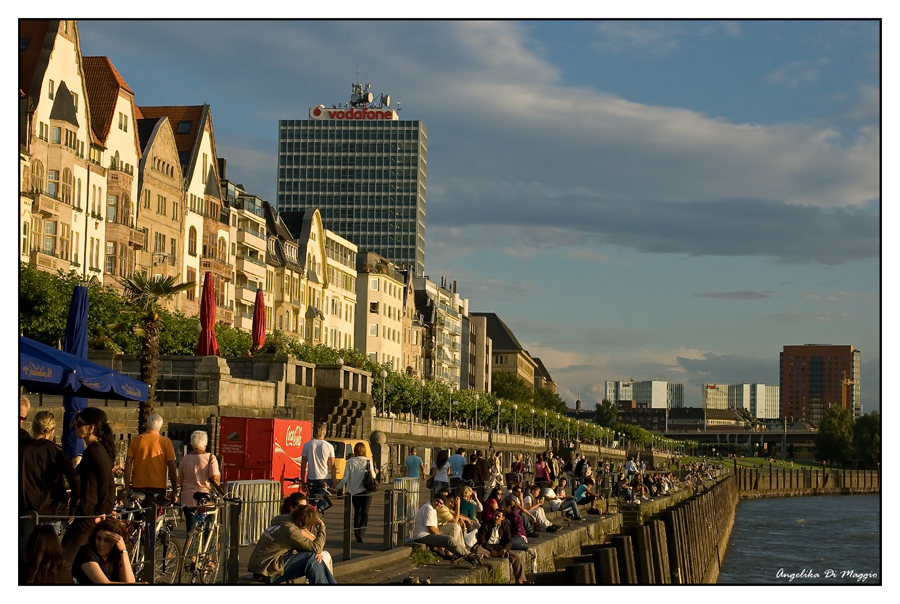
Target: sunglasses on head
{"points": [[80, 422]]}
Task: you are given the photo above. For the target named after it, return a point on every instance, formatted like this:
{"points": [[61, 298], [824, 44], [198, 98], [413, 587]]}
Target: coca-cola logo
{"points": [[293, 438], [364, 113]]}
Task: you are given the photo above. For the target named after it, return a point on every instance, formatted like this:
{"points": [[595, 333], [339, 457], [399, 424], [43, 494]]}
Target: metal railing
{"points": [[261, 502]]}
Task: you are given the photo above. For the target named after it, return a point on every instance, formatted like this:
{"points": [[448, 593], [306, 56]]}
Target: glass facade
{"points": [[366, 177]]}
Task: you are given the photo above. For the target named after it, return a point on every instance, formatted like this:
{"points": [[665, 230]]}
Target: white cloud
{"points": [[793, 75]]}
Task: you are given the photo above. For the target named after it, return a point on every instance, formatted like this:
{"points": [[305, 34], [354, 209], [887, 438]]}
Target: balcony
{"points": [[46, 204], [251, 266], [224, 314], [255, 239], [48, 260], [216, 266], [245, 294], [124, 234]]}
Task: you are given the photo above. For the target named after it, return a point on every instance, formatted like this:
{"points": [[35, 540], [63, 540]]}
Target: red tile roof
{"points": [[103, 84], [177, 114], [35, 31]]}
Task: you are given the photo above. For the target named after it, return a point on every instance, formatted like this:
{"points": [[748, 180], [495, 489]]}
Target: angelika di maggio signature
{"points": [[828, 573]]}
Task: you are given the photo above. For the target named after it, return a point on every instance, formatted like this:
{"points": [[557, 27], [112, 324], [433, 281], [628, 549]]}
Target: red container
{"points": [[254, 448]]}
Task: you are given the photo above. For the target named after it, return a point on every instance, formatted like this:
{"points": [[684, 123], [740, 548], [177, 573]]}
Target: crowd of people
{"points": [[75, 498]]}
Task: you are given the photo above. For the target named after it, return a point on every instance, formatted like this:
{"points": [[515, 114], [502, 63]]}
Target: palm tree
{"points": [[146, 296]]}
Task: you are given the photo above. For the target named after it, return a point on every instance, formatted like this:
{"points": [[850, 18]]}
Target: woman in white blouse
{"points": [[354, 472]]}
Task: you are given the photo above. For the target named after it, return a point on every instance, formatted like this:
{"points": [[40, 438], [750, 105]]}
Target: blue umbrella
{"points": [[48, 370], [75, 343]]}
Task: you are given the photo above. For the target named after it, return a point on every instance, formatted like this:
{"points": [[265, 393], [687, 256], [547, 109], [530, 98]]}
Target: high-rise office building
{"points": [[816, 376], [363, 168]]}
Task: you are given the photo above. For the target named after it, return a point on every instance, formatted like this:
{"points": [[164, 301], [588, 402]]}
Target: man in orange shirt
{"points": [[150, 455]]}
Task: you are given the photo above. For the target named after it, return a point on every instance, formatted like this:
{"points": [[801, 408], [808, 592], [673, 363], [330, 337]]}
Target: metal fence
{"points": [[406, 506], [261, 501]]}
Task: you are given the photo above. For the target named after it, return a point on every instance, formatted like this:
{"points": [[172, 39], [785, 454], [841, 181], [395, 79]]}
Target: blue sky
{"points": [[668, 200]]}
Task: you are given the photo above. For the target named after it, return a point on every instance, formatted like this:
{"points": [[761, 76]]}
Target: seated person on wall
{"points": [[562, 503], [451, 513], [584, 495], [528, 519], [426, 531], [534, 505], [516, 526], [623, 490], [494, 540], [288, 549], [292, 502]]}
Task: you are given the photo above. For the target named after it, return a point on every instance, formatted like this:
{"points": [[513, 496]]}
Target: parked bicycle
{"points": [[203, 549], [167, 551]]}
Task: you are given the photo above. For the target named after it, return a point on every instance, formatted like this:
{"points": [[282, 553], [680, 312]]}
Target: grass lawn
{"points": [[759, 462]]}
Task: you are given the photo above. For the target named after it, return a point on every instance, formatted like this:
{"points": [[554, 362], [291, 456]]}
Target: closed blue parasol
{"points": [[75, 343], [47, 370]]}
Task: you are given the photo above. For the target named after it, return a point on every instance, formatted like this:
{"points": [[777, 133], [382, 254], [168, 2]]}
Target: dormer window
{"points": [[184, 127]]}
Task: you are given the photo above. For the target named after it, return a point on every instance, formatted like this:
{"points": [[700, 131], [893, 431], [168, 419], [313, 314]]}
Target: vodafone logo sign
{"points": [[321, 113]]}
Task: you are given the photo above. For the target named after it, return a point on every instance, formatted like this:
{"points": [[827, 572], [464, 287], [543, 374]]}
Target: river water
{"points": [[820, 540]]}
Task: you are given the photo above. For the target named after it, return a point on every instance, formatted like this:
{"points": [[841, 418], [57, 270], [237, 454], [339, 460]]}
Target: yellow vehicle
{"points": [[343, 450]]}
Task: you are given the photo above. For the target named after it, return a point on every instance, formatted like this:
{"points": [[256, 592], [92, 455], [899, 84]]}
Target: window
{"points": [[191, 278], [203, 174], [222, 250], [192, 242], [185, 128], [373, 284], [66, 195], [75, 247], [160, 204], [75, 100], [373, 330], [55, 135], [25, 227], [174, 210], [147, 199], [50, 237], [50, 90], [112, 204], [53, 183], [123, 122], [65, 234], [373, 307], [37, 176], [172, 243], [110, 257], [159, 243]]}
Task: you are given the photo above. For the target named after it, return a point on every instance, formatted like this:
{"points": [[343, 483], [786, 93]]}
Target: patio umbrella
{"points": [[75, 343], [207, 345], [47, 370], [259, 321]]}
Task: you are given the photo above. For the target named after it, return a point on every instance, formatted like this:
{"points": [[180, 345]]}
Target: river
{"points": [[819, 540]]}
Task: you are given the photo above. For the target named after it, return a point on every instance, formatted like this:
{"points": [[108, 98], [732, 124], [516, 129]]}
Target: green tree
{"points": [[146, 296], [606, 413], [867, 438], [507, 385], [835, 438], [551, 401]]}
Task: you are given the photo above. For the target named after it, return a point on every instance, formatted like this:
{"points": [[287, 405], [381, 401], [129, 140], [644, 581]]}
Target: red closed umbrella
{"points": [[259, 321], [207, 345]]}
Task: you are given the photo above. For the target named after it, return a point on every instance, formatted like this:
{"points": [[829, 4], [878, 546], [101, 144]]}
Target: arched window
{"points": [[223, 250], [66, 191], [37, 174], [192, 241]]}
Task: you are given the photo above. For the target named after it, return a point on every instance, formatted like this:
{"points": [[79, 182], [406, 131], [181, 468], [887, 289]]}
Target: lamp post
{"points": [[545, 425], [515, 419], [476, 410], [383, 389], [450, 406], [532, 422], [498, 417], [557, 426], [568, 428], [422, 404]]}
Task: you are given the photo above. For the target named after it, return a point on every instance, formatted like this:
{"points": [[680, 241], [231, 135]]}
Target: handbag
{"points": [[369, 483], [429, 482]]}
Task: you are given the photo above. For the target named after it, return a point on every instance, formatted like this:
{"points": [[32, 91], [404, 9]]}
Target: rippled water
{"points": [[805, 540]]}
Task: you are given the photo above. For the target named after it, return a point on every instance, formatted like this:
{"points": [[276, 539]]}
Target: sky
{"points": [[647, 200]]}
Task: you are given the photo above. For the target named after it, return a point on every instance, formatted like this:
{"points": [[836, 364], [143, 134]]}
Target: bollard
{"points": [[606, 566], [388, 519], [150, 546], [232, 563], [402, 528], [347, 527], [625, 556], [581, 574], [643, 555], [660, 552]]}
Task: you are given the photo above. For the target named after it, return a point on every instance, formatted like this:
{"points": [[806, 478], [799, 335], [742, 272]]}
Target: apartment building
{"points": [[381, 293], [340, 291], [815, 376], [114, 126], [442, 311], [63, 178], [160, 204], [507, 353], [650, 394]]}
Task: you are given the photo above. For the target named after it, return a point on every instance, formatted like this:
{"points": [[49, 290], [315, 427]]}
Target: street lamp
{"points": [[532, 422], [568, 428], [498, 417], [515, 418], [545, 425], [383, 389], [476, 410], [450, 406], [557, 426], [422, 404]]}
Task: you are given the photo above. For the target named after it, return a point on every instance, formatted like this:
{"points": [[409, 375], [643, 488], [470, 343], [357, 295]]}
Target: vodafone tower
{"points": [[364, 169]]}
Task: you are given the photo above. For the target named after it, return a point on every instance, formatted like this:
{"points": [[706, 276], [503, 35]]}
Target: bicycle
{"points": [[166, 549], [202, 549]]}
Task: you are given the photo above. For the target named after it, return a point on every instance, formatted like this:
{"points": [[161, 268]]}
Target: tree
{"points": [[867, 438], [606, 413], [835, 438], [145, 296], [551, 401], [507, 385]]}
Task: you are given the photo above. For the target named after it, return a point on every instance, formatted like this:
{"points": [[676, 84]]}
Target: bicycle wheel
{"points": [[168, 560], [209, 561], [188, 573], [136, 555]]}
